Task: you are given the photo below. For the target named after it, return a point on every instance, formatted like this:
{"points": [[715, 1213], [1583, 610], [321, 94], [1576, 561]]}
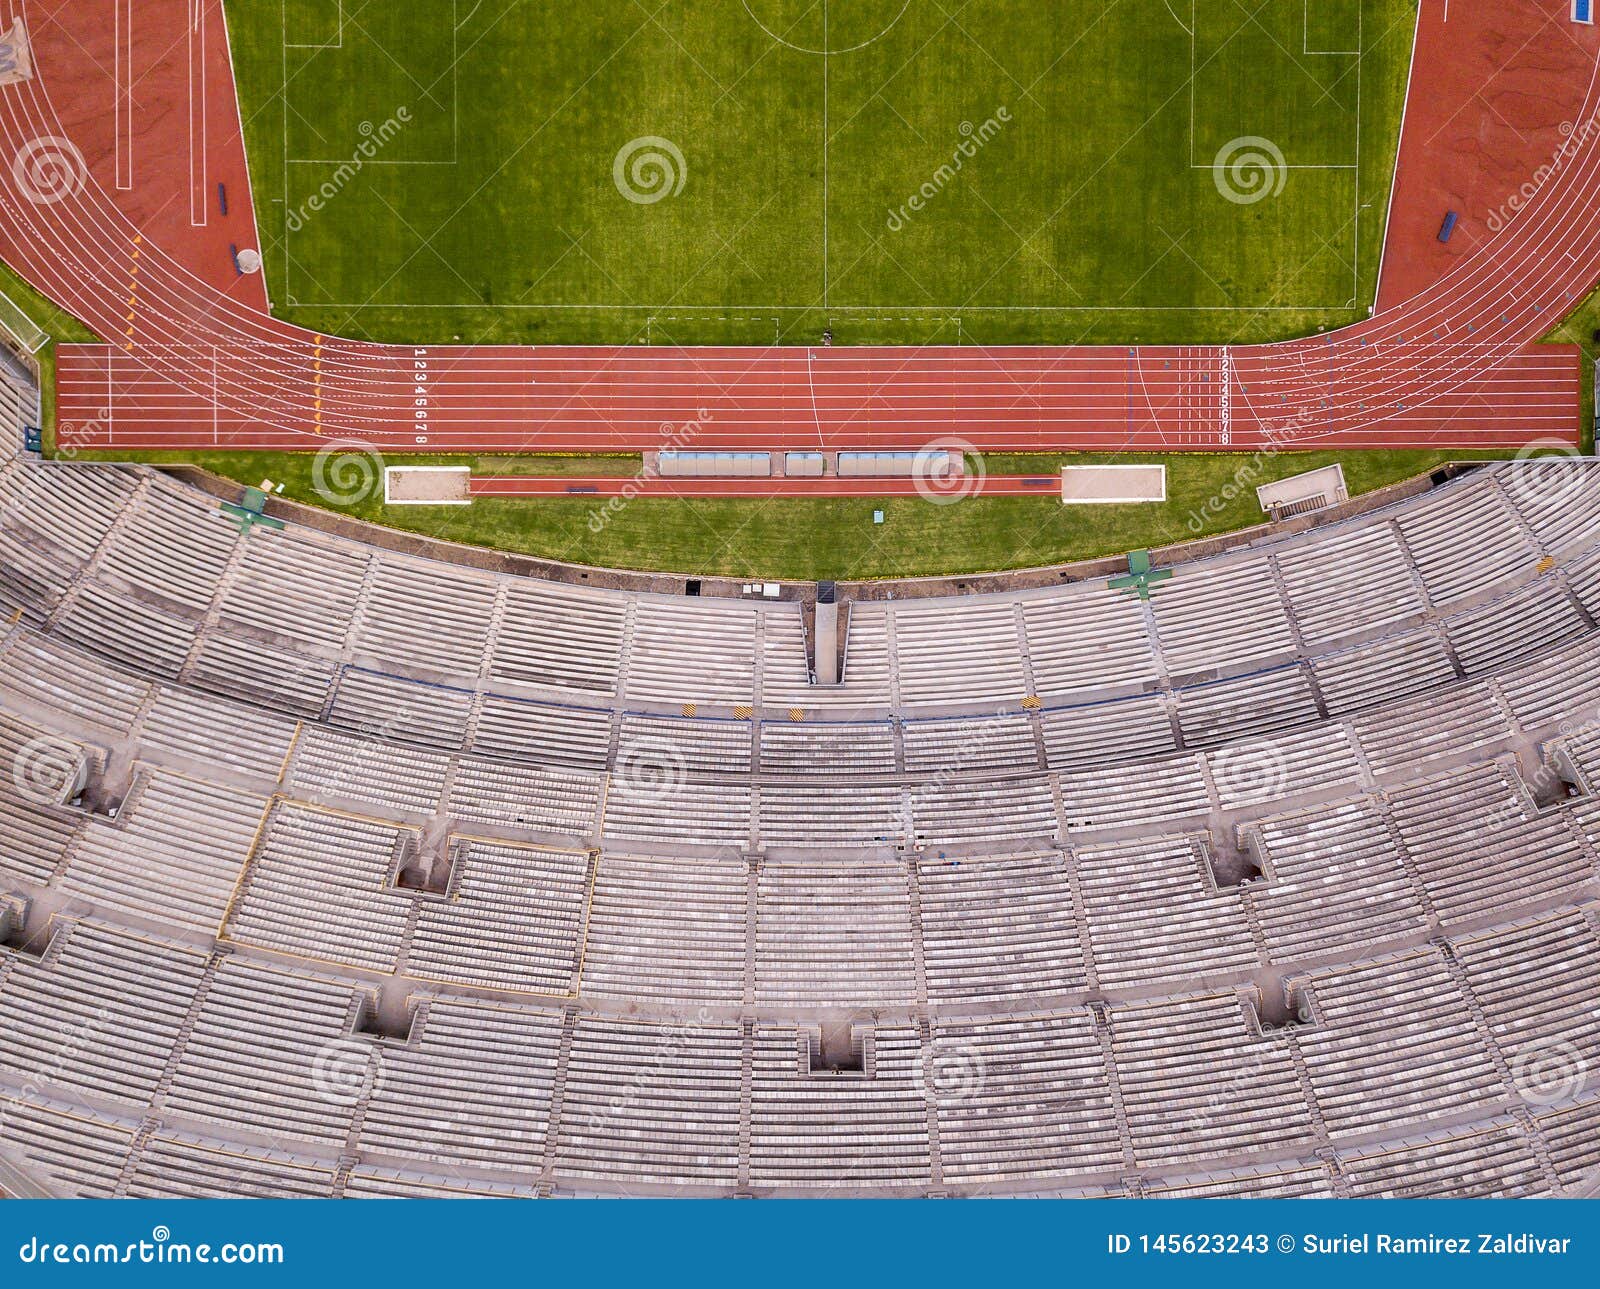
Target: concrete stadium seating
{"points": [[392, 877]]}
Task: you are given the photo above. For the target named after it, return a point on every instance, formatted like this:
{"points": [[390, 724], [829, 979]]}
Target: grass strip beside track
{"points": [[833, 538]]}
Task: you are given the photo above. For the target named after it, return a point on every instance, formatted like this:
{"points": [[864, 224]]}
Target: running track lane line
{"points": [[1397, 388]]}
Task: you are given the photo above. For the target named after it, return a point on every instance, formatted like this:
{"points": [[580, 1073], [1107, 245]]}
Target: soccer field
{"points": [[750, 171]]}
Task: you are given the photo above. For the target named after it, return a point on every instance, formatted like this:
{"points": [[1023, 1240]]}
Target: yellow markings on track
{"points": [[316, 400], [133, 293]]}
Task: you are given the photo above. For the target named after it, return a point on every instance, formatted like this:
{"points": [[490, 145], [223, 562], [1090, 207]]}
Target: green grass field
{"points": [[482, 201], [896, 170], [830, 538]]}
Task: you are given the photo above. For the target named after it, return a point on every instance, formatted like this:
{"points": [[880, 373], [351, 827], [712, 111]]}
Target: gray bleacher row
{"points": [[994, 928], [815, 976], [1061, 736], [665, 791], [1395, 1084], [142, 569], [1490, 1154], [145, 1066], [173, 878], [178, 731], [1364, 836]]}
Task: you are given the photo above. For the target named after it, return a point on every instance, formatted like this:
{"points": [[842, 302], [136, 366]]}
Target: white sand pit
{"points": [[427, 485], [1111, 485]]}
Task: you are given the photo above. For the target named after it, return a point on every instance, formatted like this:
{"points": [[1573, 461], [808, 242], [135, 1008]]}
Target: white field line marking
{"points": [[1305, 32], [1394, 177], [934, 312], [1355, 258], [825, 157], [336, 44], [123, 61], [888, 311], [199, 171]]}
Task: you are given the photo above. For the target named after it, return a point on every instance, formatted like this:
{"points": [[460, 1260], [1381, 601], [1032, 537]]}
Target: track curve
{"points": [[195, 359]]}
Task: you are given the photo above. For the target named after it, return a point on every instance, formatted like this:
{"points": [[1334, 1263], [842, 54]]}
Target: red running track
{"points": [[1448, 359], [973, 485]]}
